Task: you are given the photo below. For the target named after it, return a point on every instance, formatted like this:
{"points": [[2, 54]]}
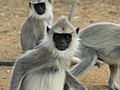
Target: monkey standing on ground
{"points": [[101, 40], [34, 28], [46, 66]]}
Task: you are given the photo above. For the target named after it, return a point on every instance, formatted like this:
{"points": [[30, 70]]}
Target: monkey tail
{"points": [[7, 63], [72, 11]]}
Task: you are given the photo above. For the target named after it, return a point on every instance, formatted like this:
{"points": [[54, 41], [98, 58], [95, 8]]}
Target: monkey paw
{"points": [[75, 60], [114, 86]]}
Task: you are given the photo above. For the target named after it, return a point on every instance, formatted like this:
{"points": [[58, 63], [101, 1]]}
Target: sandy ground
{"points": [[13, 14]]}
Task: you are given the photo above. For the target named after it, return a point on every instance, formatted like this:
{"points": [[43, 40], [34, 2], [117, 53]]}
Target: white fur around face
{"points": [[66, 27], [48, 12], [68, 53]]}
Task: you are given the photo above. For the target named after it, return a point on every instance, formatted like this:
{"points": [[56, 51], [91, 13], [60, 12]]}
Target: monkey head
{"points": [[40, 7], [62, 35]]}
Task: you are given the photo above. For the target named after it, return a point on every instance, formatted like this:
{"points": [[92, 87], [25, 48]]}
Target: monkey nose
{"points": [[62, 42]]}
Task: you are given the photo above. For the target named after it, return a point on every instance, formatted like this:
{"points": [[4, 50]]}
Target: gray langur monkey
{"points": [[46, 66], [101, 40], [33, 30], [76, 59]]}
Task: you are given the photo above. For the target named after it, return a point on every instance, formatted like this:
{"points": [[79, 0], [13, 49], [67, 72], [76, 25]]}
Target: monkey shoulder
{"points": [[36, 56]]}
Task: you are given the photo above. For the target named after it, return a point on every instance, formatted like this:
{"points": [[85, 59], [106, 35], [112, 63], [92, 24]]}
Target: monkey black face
{"points": [[40, 8], [62, 41]]}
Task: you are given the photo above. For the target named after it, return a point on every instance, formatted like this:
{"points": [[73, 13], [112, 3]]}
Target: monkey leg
{"points": [[73, 82], [88, 59], [113, 74], [76, 60]]}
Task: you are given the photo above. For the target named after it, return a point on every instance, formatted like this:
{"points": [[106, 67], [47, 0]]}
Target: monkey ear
{"points": [[77, 30], [29, 4], [48, 29]]}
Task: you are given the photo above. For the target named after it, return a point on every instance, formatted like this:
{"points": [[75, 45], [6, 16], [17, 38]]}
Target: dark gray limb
{"points": [[7, 63], [73, 82]]}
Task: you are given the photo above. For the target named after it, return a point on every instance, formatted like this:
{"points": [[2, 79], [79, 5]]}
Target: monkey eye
{"points": [[42, 5], [68, 36], [57, 36]]}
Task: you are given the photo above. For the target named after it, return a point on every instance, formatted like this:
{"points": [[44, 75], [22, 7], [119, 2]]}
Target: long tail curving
{"points": [[72, 11]]}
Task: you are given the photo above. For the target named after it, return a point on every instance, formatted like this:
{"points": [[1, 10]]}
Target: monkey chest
{"points": [[44, 79]]}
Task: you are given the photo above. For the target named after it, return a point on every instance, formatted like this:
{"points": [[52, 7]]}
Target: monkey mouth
{"points": [[61, 48], [40, 13]]}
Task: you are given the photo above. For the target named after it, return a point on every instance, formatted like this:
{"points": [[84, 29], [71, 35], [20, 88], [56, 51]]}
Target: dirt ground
{"points": [[13, 14]]}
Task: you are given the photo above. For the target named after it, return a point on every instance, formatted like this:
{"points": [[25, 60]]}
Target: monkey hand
{"points": [[75, 60]]}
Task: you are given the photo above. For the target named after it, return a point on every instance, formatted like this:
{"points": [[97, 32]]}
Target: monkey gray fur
{"points": [[33, 30], [101, 40], [46, 66]]}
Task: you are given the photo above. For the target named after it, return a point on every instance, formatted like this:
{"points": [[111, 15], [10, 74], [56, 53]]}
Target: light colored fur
{"points": [[57, 28], [48, 13], [44, 68], [101, 40], [34, 28], [43, 81]]}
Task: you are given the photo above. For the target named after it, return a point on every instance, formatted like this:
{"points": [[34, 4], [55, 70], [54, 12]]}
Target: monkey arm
{"points": [[16, 76], [73, 82], [28, 40], [22, 65], [89, 58]]}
